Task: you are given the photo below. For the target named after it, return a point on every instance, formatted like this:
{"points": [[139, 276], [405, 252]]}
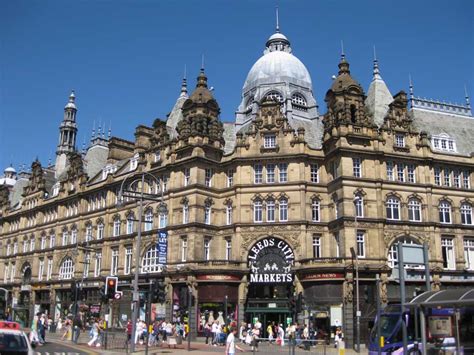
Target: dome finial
{"points": [[343, 55], [202, 62], [343, 64], [277, 21], [184, 85], [412, 95]]}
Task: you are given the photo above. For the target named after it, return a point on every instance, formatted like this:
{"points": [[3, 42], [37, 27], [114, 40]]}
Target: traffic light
{"points": [[160, 292], [73, 291], [292, 305], [299, 303], [111, 286]]}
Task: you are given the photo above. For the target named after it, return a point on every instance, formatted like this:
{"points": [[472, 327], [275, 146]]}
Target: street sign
{"points": [[413, 254], [118, 295], [162, 247]]}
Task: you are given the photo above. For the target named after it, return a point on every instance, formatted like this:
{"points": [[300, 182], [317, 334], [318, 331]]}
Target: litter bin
{"points": [[342, 347]]}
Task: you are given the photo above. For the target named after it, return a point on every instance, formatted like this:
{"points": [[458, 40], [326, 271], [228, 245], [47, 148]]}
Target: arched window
{"points": [[445, 212], [248, 105], [270, 210], [66, 270], [275, 96], [148, 220], [150, 260], [88, 232], [315, 210], [283, 208], [466, 213], [298, 99], [393, 208], [393, 253], [207, 213], [257, 211], [163, 217], [185, 212], [100, 230], [414, 210], [130, 223]]}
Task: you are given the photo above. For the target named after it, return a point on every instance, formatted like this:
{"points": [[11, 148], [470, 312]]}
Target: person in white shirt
{"points": [[230, 343], [214, 330]]}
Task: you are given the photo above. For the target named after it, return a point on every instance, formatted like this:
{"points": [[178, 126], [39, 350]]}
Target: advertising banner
{"points": [[162, 246]]}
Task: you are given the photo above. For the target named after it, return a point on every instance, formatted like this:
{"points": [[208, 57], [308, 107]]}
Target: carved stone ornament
{"points": [[160, 134], [249, 239], [348, 290]]}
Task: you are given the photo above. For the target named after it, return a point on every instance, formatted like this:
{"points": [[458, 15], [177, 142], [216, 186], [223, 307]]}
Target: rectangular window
{"points": [[184, 249], [130, 225], [32, 244], [447, 250], [40, 269], [230, 177], [283, 170], [359, 206], [74, 236], [207, 214], [88, 233], [414, 211], [127, 268], [437, 176], [162, 220], [228, 249], [411, 173], [338, 246], [390, 176], [228, 214], [447, 177], [98, 263], [270, 173], [401, 172], [13, 272], [360, 244], [208, 177], [87, 264], [52, 241], [43, 242], [269, 141], [49, 271], [187, 176], [317, 252], [356, 167], [207, 248], [100, 231], [283, 204], [116, 228], [314, 173], [457, 178], [148, 221], [270, 211], [436, 143], [25, 246], [466, 182], [400, 140], [185, 213], [6, 273], [315, 210], [469, 253], [65, 238], [258, 173], [15, 248], [257, 211], [115, 261]]}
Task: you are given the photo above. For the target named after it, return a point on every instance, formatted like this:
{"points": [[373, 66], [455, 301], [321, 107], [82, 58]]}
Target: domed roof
{"points": [[275, 65], [277, 36], [10, 169]]}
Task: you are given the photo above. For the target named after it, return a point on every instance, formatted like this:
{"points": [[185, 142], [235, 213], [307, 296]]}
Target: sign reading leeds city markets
{"points": [[270, 261]]}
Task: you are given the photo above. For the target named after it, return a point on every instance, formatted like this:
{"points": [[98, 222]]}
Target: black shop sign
{"points": [[270, 261]]}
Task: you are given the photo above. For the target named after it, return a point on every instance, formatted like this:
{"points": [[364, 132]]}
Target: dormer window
{"points": [[269, 141], [157, 156], [275, 96], [299, 102], [56, 189], [443, 143], [400, 140], [134, 162]]}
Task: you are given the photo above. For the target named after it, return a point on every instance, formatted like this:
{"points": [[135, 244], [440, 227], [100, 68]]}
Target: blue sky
{"points": [[125, 59]]}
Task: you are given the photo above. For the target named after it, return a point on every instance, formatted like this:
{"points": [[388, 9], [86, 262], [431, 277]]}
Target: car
{"points": [[13, 340]]}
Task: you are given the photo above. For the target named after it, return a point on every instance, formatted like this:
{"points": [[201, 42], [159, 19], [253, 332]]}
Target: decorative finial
{"points": [[376, 67], [466, 95], [343, 64], [412, 96], [110, 130], [184, 85], [277, 21], [202, 63], [83, 144], [72, 96], [93, 131], [343, 55], [99, 129]]}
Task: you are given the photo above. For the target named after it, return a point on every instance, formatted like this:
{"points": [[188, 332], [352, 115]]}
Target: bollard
{"points": [[342, 347]]}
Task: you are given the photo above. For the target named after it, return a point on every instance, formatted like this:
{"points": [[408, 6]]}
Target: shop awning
{"points": [[452, 297]]}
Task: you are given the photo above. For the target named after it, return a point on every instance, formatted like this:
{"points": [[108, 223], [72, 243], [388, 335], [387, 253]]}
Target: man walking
{"points": [[230, 343]]}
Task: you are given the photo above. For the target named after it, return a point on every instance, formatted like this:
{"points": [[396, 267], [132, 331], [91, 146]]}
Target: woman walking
{"points": [[95, 334]]}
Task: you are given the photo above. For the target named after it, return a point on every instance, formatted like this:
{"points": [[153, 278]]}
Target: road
{"points": [[59, 349]]}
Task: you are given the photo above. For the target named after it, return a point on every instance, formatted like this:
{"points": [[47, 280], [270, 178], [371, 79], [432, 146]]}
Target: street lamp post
{"points": [[138, 180], [355, 255]]}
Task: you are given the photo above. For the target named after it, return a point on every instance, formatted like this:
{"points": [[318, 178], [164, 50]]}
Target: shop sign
{"points": [[323, 276], [95, 309], [218, 278], [162, 246], [270, 261], [272, 305]]}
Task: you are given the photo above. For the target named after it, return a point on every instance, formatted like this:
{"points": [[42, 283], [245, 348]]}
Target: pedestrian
{"points": [[41, 329], [230, 342], [214, 330], [76, 326], [270, 332], [207, 332], [128, 330], [34, 332], [242, 332], [138, 331], [95, 334], [338, 336]]}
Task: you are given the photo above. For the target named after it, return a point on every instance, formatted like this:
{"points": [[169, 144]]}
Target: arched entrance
{"points": [[270, 261]]}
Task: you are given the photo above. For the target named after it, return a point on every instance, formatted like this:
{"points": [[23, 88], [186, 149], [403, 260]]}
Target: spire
{"points": [[376, 68], [466, 95], [343, 64], [72, 101], [109, 135], [277, 29], [93, 130], [202, 79], [412, 96]]}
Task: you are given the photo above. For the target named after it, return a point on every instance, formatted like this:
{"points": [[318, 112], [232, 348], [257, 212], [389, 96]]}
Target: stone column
{"points": [[169, 299], [192, 283], [348, 309]]}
